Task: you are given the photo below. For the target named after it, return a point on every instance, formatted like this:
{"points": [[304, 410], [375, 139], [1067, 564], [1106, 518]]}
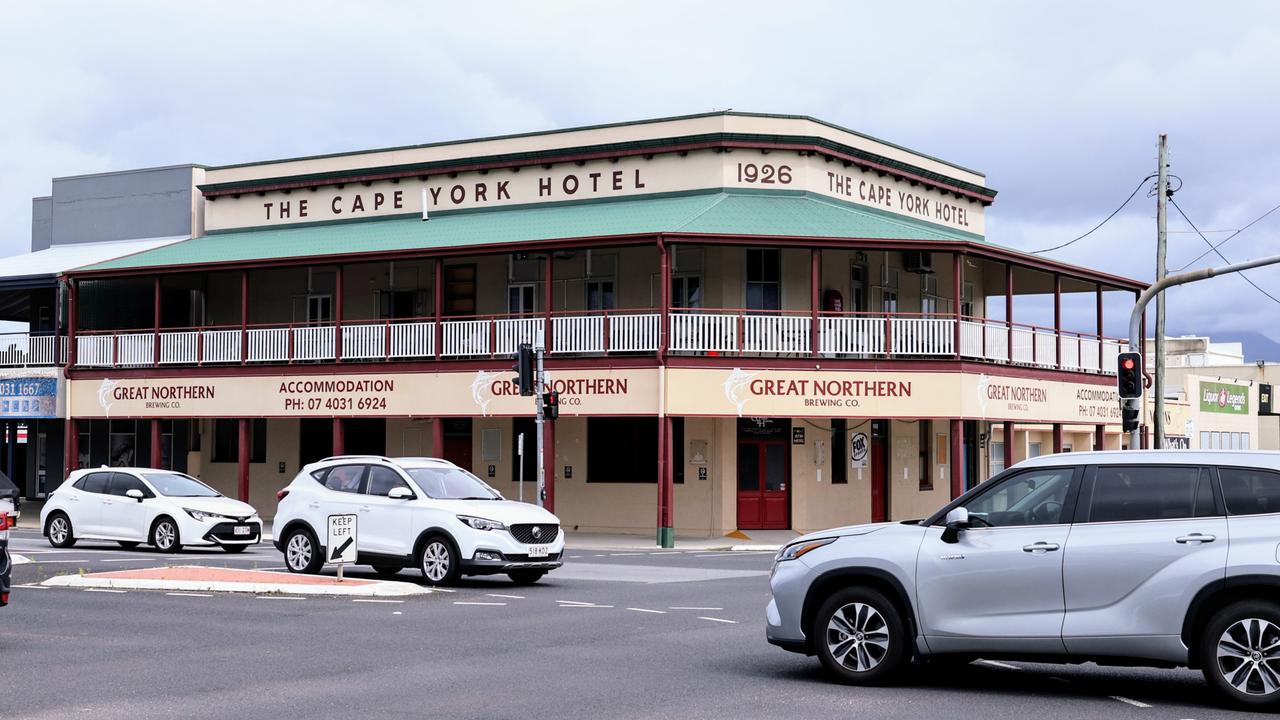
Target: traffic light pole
{"points": [[540, 387], [1135, 317]]}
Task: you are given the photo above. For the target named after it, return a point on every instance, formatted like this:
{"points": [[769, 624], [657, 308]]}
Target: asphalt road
{"points": [[610, 635]]}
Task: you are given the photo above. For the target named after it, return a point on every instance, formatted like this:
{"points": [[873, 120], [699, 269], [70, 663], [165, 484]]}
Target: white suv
{"points": [[423, 512]]}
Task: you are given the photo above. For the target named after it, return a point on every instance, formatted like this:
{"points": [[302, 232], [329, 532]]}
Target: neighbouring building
{"points": [[1213, 398], [754, 321]]}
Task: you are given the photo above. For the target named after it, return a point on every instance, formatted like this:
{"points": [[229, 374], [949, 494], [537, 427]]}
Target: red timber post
{"points": [[957, 271], [437, 437], [549, 464], [1099, 437], [339, 437], [156, 458], [549, 302], [957, 451], [664, 299], [1008, 444], [242, 462], [437, 292], [815, 282], [244, 316], [1098, 301], [72, 322], [337, 317], [70, 447], [1008, 307], [1057, 438], [156, 317], [1057, 320], [666, 485]]}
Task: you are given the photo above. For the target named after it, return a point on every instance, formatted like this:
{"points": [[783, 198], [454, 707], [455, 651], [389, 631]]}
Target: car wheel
{"points": [[164, 535], [860, 637], [1240, 654], [302, 552], [387, 571], [233, 549], [526, 577], [439, 562], [128, 544], [60, 532]]}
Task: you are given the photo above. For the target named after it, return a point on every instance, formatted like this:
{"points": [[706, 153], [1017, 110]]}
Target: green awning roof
{"points": [[735, 212]]}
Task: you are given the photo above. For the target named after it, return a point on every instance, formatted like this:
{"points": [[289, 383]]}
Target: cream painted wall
{"points": [[264, 478], [816, 503], [906, 499]]}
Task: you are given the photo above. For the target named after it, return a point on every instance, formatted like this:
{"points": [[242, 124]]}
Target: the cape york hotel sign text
{"points": [[624, 177]]}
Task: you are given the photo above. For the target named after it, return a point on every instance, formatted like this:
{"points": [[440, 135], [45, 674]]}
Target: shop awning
{"points": [[727, 212]]}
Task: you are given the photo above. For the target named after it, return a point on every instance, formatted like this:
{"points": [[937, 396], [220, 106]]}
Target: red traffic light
{"points": [[1129, 363]]}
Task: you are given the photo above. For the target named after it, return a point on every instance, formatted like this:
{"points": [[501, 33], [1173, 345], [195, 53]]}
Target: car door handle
{"points": [[364, 508], [1195, 538], [314, 506], [1040, 548]]}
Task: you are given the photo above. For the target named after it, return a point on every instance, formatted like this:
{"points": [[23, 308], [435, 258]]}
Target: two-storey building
{"points": [[754, 321]]}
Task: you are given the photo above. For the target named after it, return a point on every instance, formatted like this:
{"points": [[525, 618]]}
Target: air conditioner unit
{"points": [[917, 261]]}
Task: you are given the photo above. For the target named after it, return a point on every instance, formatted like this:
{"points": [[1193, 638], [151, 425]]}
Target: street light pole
{"points": [[1135, 317]]}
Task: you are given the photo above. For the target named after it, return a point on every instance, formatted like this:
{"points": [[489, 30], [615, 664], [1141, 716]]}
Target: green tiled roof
{"points": [[723, 213]]}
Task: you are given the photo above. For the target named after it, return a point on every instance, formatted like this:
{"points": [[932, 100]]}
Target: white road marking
{"points": [[573, 602], [574, 557], [105, 590], [278, 597], [728, 554], [719, 620], [397, 612], [512, 597], [440, 589], [33, 586], [188, 594], [372, 600], [693, 608], [576, 606], [646, 610], [623, 554], [667, 552], [997, 663], [1129, 701], [138, 559], [464, 602]]}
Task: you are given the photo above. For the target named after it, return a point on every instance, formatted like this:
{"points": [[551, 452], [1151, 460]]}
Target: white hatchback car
{"points": [[421, 512], [139, 505]]}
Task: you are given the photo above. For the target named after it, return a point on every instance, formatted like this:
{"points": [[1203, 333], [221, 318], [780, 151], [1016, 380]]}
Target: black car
{"points": [[8, 491]]}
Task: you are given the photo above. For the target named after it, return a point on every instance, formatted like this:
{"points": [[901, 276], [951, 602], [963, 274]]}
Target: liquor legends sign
{"points": [[1218, 397], [624, 177]]}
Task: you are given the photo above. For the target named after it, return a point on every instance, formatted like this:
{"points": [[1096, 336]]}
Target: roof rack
{"points": [[355, 457]]}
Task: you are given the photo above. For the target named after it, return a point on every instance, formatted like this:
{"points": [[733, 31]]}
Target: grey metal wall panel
{"points": [[119, 206], [41, 223]]}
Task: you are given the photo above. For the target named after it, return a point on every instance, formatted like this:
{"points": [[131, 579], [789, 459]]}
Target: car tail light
{"points": [[4, 598], [280, 495], [6, 522]]}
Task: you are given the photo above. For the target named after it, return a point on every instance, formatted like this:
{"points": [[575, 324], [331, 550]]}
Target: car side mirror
{"points": [[134, 493], [400, 493], [957, 519]]}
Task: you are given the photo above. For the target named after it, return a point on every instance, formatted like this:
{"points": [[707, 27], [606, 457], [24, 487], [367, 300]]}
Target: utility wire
{"points": [[1104, 222], [1214, 249]]}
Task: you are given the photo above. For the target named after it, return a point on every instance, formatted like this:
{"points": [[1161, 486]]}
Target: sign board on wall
{"points": [[28, 397], [1219, 397]]}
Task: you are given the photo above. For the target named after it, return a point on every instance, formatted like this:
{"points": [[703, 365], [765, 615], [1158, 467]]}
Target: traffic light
{"points": [[1129, 417], [524, 369], [1129, 375], [551, 405]]}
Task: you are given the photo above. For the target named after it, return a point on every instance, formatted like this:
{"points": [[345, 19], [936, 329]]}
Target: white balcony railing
{"points": [[31, 349]]}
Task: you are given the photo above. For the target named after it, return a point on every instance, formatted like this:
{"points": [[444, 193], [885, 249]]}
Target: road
{"points": [[611, 635]]}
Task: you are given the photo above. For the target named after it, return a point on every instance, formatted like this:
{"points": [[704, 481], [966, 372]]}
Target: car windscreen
{"points": [[445, 483], [175, 485]]}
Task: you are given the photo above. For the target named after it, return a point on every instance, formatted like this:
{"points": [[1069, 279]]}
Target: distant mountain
{"points": [[1256, 345]]}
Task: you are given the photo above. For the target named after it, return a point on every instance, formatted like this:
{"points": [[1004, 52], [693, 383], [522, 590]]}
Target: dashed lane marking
{"points": [[623, 554], [997, 663], [647, 610], [711, 555], [465, 602], [667, 552], [34, 586], [584, 607], [693, 608], [188, 594], [719, 620], [573, 602], [375, 600], [106, 590], [510, 597], [1129, 701], [574, 557], [278, 597]]}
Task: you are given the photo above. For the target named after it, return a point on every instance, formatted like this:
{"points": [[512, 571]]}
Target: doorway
{"points": [[764, 474], [880, 471], [457, 441]]}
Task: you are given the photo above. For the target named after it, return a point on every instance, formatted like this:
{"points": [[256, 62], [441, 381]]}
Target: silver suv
{"points": [[1153, 558]]}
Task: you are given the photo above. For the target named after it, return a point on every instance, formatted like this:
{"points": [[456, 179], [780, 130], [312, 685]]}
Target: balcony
{"points": [[691, 332], [27, 349]]}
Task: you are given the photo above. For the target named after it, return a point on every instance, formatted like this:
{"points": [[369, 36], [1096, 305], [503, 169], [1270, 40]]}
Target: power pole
{"points": [[540, 387], [1162, 239]]}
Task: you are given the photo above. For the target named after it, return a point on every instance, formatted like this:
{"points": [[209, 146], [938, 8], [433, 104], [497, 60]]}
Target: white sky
{"points": [[1059, 103]]}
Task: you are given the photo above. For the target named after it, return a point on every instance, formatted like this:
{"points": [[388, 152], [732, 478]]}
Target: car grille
{"points": [[525, 533], [226, 532]]}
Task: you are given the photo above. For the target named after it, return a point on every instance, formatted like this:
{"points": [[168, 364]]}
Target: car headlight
{"points": [[479, 523], [201, 515], [791, 552]]}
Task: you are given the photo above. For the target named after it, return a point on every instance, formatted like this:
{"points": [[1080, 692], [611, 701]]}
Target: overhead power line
{"points": [[1214, 248], [1104, 221]]}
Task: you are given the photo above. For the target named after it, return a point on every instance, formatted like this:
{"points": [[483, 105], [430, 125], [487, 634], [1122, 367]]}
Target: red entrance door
{"points": [[879, 471], [764, 475]]}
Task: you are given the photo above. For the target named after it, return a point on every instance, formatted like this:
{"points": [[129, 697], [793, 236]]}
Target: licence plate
{"points": [[538, 551], [242, 530]]}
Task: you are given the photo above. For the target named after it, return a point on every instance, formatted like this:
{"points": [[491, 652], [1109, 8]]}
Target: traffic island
{"points": [[195, 578]]}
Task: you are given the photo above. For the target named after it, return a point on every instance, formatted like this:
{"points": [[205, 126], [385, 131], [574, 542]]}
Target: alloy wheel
{"points": [[1249, 656], [298, 552], [166, 534], [435, 561], [858, 637], [58, 530]]}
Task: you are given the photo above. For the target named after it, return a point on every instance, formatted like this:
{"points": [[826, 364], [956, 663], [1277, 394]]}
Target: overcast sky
{"points": [[1059, 107]]}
